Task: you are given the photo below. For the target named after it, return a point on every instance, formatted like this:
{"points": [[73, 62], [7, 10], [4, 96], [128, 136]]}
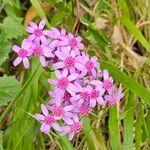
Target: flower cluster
{"points": [[79, 85]]}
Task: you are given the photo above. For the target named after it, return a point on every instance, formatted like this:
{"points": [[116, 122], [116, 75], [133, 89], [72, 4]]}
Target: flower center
{"points": [[58, 111], [73, 42], [49, 120], [38, 51], [89, 65], [107, 84], [38, 32], [69, 62], [76, 127], [62, 83], [67, 97], [84, 110], [94, 94], [85, 96], [22, 53]]}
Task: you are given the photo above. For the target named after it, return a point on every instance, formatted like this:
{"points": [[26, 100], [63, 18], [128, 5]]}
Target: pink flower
{"points": [[71, 42], [114, 95], [61, 112], [64, 82], [82, 97], [75, 126], [68, 60], [47, 120], [23, 53], [36, 31], [96, 96], [42, 51], [90, 65], [107, 81]]}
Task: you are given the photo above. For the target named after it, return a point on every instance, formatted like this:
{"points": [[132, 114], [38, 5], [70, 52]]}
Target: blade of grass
{"points": [[87, 131], [138, 128], [128, 82], [136, 32], [36, 4], [114, 132], [129, 123]]}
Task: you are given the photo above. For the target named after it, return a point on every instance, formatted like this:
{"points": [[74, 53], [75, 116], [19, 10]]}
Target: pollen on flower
{"points": [[94, 94], [76, 127], [49, 120], [22, 53], [58, 111], [69, 62], [38, 32], [89, 65], [62, 83], [85, 95], [84, 110], [38, 51], [107, 84], [73, 42]]}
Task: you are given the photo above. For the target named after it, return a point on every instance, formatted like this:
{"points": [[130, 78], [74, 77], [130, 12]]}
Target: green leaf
{"points": [[114, 129], [128, 82], [87, 132], [5, 46], [9, 87], [129, 123], [1, 140], [136, 32], [36, 4], [13, 27]]}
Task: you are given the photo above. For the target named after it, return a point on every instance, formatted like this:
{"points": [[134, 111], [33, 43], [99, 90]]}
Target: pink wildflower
{"points": [[23, 53], [36, 31], [47, 120]]}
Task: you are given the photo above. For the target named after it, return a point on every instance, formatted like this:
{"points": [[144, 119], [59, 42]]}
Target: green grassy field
{"points": [[118, 33]]}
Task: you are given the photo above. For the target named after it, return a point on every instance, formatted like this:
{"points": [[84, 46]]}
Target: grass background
{"points": [[118, 33]]}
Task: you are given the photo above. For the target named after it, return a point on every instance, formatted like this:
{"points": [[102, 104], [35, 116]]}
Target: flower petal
{"points": [[39, 117], [44, 110], [42, 24], [73, 76], [45, 128], [57, 127], [16, 48], [26, 62], [17, 61], [43, 61]]}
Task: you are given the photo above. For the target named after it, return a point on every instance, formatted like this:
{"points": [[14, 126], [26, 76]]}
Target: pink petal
{"points": [[73, 76], [70, 35], [57, 127], [68, 108], [63, 31], [44, 110], [39, 117], [83, 73], [45, 128], [79, 66], [17, 61], [30, 29], [33, 25], [69, 121], [101, 101], [92, 103], [43, 61], [71, 136], [58, 74], [65, 50], [65, 72], [42, 24], [72, 87], [81, 46], [16, 48], [79, 39], [75, 98], [105, 74], [52, 81], [80, 102], [76, 118], [58, 65], [60, 55], [47, 52], [31, 37], [26, 44], [26, 62]]}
